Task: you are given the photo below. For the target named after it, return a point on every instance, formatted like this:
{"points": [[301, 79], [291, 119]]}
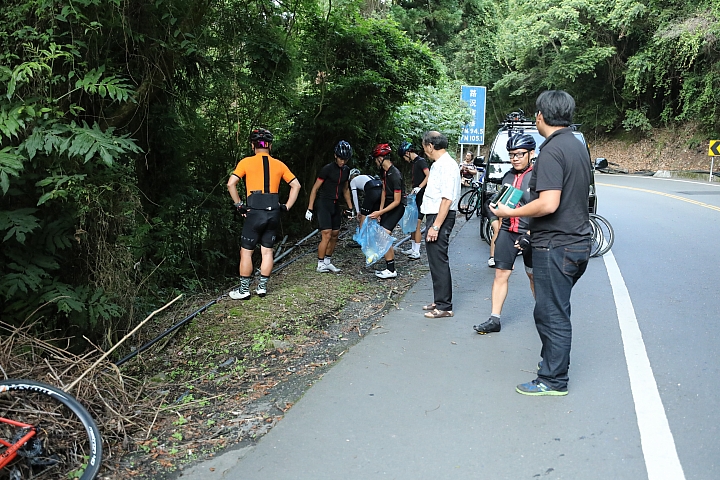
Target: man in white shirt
{"points": [[440, 207]]}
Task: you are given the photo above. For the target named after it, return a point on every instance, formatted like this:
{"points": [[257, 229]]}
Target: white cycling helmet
{"points": [[354, 173]]}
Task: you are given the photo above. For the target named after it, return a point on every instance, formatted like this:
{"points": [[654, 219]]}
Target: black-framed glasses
{"points": [[516, 155]]}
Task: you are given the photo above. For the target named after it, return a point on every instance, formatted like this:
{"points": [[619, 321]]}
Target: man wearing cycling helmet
{"points": [[521, 148], [420, 173], [561, 236], [262, 213], [392, 202], [332, 181]]}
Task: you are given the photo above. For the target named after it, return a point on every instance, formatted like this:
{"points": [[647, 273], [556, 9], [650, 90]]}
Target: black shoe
{"points": [[490, 326]]}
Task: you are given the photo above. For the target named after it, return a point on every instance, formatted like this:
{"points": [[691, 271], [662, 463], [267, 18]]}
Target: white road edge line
{"points": [[658, 444]]}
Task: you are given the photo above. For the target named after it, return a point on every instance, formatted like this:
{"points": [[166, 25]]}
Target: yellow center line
{"points": [[670, 195]]}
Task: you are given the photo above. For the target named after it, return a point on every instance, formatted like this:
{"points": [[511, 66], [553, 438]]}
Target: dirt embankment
{"points": [[680, 149]]}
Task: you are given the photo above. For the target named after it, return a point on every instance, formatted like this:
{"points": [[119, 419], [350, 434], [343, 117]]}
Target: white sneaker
{"points": [[261, 291], [491, 262], [413, 255], [237, 295], [386, 274], [333, 268], [406, 251], [323, 269]]}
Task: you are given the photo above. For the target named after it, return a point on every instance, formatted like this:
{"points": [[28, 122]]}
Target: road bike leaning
{"points": [[45, 433]]}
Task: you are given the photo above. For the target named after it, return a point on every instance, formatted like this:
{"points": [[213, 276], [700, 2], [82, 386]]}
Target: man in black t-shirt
{"points": [[392, 202], [420, 173], [560, 234], [332, 181]]}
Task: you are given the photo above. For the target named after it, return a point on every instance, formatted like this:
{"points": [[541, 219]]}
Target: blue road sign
{"points": [[474, 132]]}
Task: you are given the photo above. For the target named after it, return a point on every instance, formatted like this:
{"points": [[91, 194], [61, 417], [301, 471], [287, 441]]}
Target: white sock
{"points": [[416, 247]]}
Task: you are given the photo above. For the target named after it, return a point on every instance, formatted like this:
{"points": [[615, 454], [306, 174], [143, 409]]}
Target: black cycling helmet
{"points": [[521, 140], [343, 150], [261, 138], [404, 148]]}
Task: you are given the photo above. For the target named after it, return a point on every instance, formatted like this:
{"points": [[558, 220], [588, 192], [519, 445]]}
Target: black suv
{"points": [[498, 163]]}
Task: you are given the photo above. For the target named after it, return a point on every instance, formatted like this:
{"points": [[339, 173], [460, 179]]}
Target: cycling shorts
{"points": [[390, 219], [418, 201], [328, 213], [371, 202], [260, 227], [505, 252]]}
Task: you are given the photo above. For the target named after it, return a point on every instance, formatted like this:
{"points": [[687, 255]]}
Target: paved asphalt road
{"points": [[430, 399]]}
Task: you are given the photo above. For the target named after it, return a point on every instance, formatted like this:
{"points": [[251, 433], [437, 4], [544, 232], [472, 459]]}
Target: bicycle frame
{"points": [[12, 448]]}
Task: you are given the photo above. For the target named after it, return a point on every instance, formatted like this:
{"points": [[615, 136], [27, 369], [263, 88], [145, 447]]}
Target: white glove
{"points": [[308, 215], [416, 190]]}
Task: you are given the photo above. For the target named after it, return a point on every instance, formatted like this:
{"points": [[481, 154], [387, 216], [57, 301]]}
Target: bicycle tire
{"points": [[608, 234], [462, 204], [597, 239], [487, 231], [472, 204], [68, 436]]}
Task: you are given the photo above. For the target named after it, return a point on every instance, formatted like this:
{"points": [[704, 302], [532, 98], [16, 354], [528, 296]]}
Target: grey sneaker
{"points": [[323, 269], [406, 251], [238, 295], [261, 291], [413, 255], [332, 268]]}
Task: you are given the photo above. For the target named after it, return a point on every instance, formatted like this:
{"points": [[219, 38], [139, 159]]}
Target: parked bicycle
{"points": [[45, 433]]}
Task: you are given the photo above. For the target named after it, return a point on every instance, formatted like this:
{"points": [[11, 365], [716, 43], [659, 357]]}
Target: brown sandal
{"points": [[439, 313], [429, 307]]}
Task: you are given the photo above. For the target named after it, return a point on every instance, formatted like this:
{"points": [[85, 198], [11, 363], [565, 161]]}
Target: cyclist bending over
{"points": [[332, 181], [514, 234], [392, 202]]}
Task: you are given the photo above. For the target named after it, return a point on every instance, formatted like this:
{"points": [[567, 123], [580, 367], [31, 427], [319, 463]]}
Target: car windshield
{"points": [[499, 153]]}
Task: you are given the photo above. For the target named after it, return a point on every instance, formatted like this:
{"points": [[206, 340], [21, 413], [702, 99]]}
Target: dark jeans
{"points": [[437, 253], [556, 270]]}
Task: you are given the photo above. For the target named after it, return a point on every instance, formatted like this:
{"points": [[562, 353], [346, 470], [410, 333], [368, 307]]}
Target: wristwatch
{"points": [[435, 228]]}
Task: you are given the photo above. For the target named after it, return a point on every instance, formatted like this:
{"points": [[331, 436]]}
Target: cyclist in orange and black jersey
{"points": [[332, 181], [262, 175]]}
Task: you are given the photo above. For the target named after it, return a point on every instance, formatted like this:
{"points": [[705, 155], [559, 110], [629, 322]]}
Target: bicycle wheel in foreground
{"points": [[67, 443], [603, 235]]}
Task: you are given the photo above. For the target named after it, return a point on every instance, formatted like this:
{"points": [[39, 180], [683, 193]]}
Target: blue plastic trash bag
{"points": [[410, 218], [374, 240]]}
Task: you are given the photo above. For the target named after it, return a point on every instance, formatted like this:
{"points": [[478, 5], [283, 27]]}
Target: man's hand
{"points": [[500, 210], [283, 207], [241, 209], [432, 234], [308, 215], [523, 241]]}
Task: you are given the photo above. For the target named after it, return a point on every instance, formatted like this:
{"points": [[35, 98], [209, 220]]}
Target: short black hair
{"points": [[557, 107], [436, 139]]}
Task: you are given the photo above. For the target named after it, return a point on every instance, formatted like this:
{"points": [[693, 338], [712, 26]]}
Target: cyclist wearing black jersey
{"points": [[420, 174], [332, 181], [521, 148], [392, 202]]}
